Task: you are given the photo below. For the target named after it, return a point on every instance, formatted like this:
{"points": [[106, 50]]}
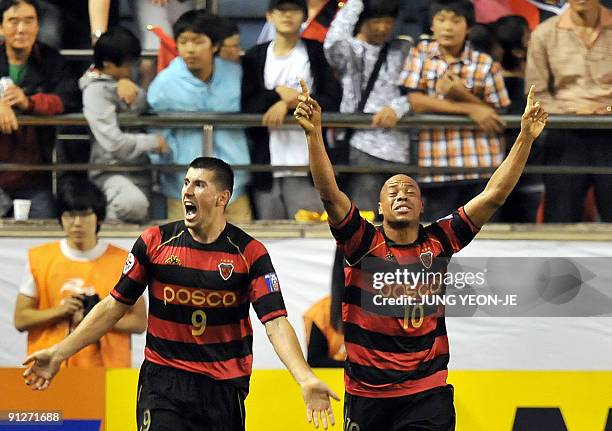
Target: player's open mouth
{"points": [[190, 211]]}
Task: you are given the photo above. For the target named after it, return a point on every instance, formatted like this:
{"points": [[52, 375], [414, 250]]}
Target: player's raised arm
{"points": [[43, 365], [308, 114], [504, 179]]}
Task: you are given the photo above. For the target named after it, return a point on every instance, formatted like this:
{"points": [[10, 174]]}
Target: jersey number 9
{"points": [[198, 320]]}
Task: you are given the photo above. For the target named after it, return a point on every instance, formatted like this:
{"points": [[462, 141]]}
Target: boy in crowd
{"points": [[354, 58], [199, 81], [447, 75], [108, 91], [270, 86], [64, 279]]}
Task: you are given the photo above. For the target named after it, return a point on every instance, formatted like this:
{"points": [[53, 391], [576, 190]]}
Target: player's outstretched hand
{"points": [[318, 405], [43, 365], [308, 111], [534, 118]]}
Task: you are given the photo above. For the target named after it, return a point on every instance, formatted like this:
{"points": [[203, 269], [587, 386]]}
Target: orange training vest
{"points": [[319, 314], [52, 270]]}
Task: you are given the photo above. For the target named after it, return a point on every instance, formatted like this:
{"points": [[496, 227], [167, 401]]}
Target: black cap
{"points": [[289, 4]]}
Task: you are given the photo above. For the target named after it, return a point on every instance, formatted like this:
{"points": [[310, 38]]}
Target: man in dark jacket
{"points": [[39, 84], [270, 86]]}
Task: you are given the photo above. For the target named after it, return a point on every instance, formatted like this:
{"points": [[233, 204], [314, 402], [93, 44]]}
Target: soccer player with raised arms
{"points": [[395, 374]]}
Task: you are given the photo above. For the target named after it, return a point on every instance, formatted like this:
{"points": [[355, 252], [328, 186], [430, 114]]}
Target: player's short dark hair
{"points": [[118, 45], [463, 8], [509, 32], [201, 22], [224, 175], [301, 4], [79, 194], [7, 4]]}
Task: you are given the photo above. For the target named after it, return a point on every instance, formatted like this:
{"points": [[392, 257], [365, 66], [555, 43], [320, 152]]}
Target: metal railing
{"points": [[190, 119], [87, 54], [208, 121]]}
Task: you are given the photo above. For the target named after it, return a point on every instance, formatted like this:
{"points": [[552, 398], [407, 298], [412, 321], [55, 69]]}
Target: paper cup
{"points": [[21, 209]]}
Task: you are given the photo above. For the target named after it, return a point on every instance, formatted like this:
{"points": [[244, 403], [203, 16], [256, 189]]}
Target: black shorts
{"points": [[432, 410], [169, 399]]}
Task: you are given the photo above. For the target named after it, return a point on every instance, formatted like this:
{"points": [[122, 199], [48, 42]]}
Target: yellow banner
{"points": [[484, 400]]}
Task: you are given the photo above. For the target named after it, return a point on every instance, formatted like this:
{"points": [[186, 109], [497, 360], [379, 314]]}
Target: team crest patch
{"points": [[426, 259], [272, 282], [173, 260], [226, 269], [129, 263]]}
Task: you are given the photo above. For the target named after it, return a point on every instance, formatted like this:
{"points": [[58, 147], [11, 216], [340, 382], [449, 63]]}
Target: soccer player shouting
{"points": [[396, 373], [203, 274]]}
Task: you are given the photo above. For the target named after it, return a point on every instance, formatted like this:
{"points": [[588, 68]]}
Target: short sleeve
{"points": [[455, 231], [134, 278], [28, 286], [264, 286], [354, 235]]}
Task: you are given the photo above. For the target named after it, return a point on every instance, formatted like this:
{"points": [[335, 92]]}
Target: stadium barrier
{"points": [[208, 121]]}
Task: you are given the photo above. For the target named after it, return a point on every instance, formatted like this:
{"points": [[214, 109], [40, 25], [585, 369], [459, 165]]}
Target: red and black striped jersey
{"points": [[199, 298], [390, 355]]}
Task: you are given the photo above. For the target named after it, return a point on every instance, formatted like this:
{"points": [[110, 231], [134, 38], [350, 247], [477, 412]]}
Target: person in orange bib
{"points": [[64, 280], [324, 336]]}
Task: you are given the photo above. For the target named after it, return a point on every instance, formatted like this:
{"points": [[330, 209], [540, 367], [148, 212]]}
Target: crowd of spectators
{"points": [[474, 58]]}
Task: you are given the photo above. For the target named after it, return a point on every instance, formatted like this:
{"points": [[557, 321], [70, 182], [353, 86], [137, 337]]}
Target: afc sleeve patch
{"points": [[129, 263], [272, 282]]}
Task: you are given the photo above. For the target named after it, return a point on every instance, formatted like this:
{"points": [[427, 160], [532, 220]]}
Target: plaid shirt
{"points": [[456, 146]]}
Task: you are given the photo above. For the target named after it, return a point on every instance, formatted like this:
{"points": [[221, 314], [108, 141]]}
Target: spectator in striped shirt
{"points": [[447, 75], [203, 274], [396, 368]]}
